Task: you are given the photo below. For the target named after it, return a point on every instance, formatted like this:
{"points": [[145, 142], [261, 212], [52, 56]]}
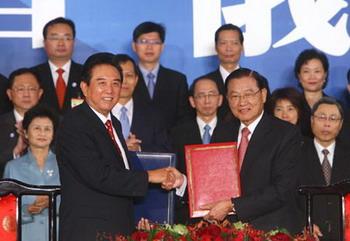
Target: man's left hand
{"points": [[218, 210]]}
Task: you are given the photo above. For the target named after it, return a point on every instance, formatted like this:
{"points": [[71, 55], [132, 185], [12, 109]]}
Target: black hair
{"points": [[123, 58], [231, 27], [329, 101], [99, 59], [41, 111], [307, 55], [261, 81], [59, 20], [149, 27], [288, 93], [19, 72], [193, 85]]}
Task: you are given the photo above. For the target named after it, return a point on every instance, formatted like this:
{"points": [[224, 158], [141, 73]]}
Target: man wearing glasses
{"points": [[60, 76], [24, 91], [268, 154], [165, 89], [205, 98], [325, 162]]}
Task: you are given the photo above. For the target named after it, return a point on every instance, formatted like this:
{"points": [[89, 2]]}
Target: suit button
{"points": [[329, 203]]}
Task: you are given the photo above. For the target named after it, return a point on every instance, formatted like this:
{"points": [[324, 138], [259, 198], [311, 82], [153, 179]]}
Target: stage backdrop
{"points": [[275, 32]]}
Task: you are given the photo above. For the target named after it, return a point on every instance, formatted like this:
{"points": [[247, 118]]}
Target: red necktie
{"points": [[243, 145], [60, 88], [109, 127]]}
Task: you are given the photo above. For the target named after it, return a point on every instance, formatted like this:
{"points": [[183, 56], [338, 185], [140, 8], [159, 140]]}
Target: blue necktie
{"points": [[124, 120], [150, 84], [206, 135]]}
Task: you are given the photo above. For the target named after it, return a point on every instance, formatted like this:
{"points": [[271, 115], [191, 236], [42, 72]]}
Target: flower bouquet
{"points": [[205, 231]]}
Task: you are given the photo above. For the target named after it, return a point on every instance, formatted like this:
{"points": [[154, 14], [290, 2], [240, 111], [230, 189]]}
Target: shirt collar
{"points": [[65, 67], [146, 71], [116, 111], [252, 125], [224, 73], [212, 123], [101, 116], [17, 115]]}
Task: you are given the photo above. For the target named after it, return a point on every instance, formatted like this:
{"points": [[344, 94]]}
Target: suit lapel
{"points": [[72, 85], [159, 83], [314, 165], [340, 163], [49, 86], [255, 146]]}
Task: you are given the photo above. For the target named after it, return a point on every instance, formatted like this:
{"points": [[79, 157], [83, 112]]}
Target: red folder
{"points": [[213, 174], [8, 218]]}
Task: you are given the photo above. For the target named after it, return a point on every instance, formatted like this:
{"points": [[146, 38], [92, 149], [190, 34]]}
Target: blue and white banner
{"points": [[276, 31]]}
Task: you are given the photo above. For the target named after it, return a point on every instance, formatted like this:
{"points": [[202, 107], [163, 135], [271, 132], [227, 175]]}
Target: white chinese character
{"points": [[312, 23], [42, 11]]}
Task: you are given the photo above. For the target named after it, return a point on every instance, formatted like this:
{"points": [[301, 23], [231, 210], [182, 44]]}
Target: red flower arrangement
{"points": [[204, 231]]}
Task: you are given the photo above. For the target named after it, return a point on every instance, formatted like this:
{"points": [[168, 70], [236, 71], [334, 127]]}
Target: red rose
{"points": [[214, 230], [239, 236], [281, 237], [139, 236], [159, 235]]}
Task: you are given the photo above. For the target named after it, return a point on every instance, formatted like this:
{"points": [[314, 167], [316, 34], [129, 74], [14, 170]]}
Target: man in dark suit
{"points": [[143, 128], [229, 48], [164, 88], [60, 76], [268, 155], [98, 184], [325, 162], [5, 104], [205, 98], [24, 91]]}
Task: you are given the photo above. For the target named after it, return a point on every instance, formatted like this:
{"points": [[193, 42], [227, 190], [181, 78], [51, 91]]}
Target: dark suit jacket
{"points": [[186, 133], [5, 103], [97, 190], [8, 138], [325, 207], [149, 127], [224, 110], [49, 96], [170, 96], [268, 174]]}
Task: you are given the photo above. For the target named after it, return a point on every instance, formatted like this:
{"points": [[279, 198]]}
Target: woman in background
{"points": [[38, 167], [286, 104]]}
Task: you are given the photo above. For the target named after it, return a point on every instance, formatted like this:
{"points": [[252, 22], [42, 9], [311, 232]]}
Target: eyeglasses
{"points": [[324, 118], [58, 38], [247, 96], [204, 96], [149, 42], [21, 90]]}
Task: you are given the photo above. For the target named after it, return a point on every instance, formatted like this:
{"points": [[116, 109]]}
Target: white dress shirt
{"points": [[320, 148], [201, 125], [251, 128], [104, 119], [224, 73], [116, 111], [65, 75]]}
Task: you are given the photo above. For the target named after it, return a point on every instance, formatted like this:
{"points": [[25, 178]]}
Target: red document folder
{"points": [[213, 174]]}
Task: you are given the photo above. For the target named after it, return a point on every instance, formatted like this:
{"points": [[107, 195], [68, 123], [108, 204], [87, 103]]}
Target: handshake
{"points": [[168, 177]]}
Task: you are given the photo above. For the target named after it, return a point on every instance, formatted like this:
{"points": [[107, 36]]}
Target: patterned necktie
{"points": [[206, 134], [150, 84], [124, 120], [109, 127], [243, 146], [326, 167], [60, 88]]}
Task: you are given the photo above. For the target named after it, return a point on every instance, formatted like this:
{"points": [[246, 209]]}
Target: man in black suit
{"points": [[143, 128], [268, 155], [325, 162], [60, 76], [164, 88], [5, 104], [205, 98], [98, 184], [24, 91], [229, 48]]}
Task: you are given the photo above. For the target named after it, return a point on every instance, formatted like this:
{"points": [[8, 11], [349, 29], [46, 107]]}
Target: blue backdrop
{"points": [[275, 32]]}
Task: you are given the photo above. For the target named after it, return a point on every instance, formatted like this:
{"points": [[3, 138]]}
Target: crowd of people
{"points": [[113, 104]]}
